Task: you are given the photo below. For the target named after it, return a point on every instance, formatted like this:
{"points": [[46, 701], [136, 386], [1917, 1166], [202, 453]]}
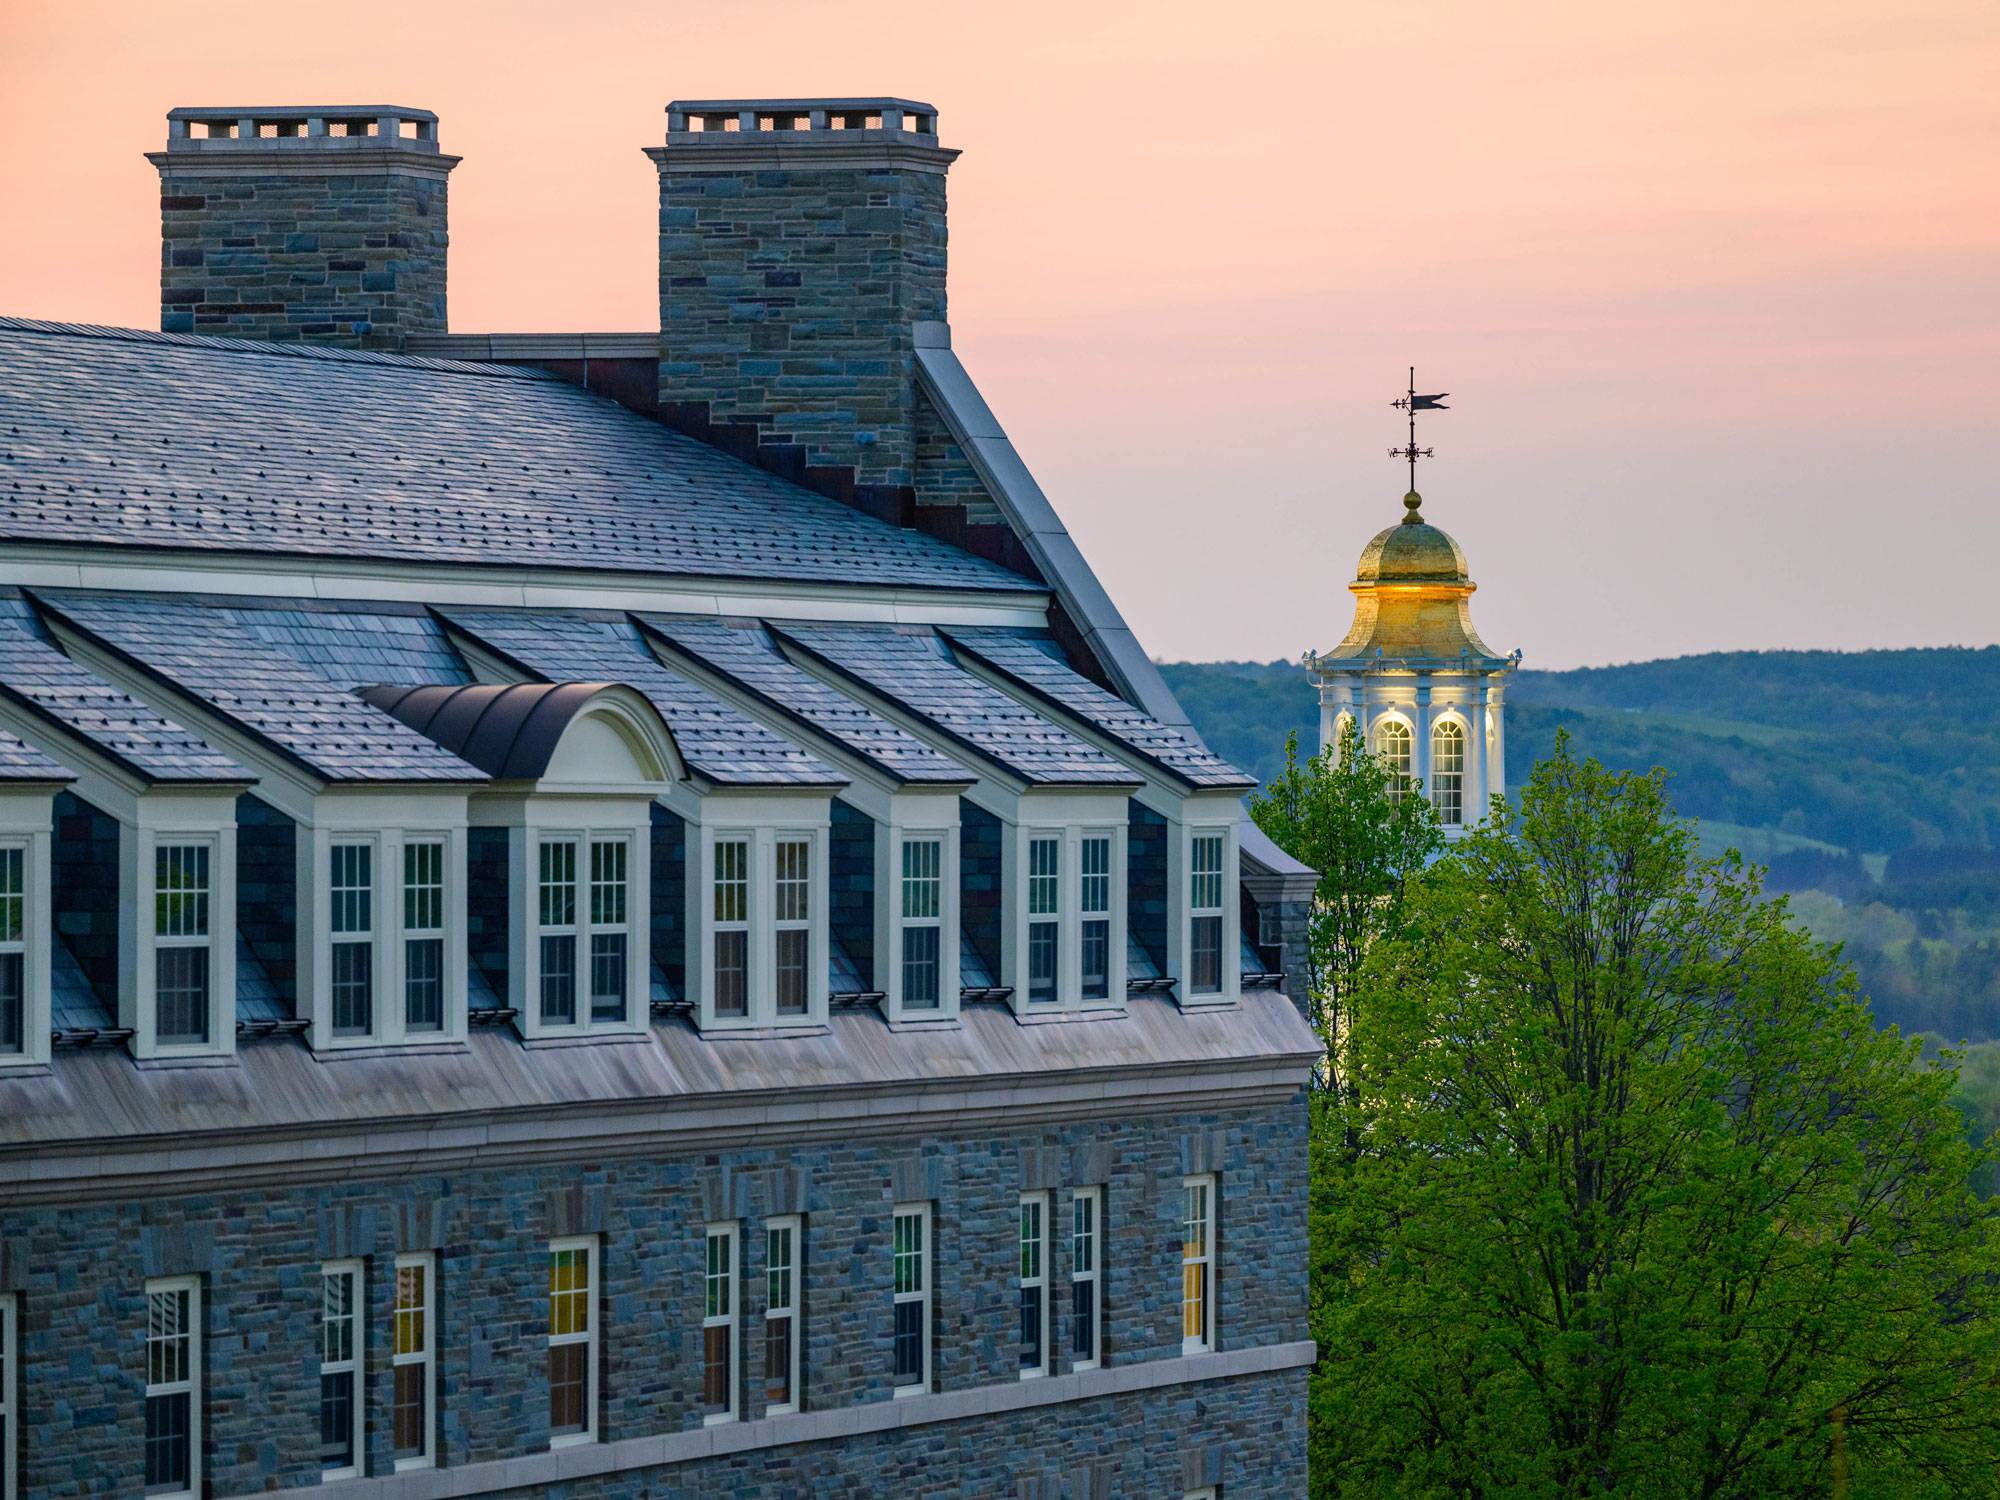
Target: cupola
{"points": [[1412, 599]]}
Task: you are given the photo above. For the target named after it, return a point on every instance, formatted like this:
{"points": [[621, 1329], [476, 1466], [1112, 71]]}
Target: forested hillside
{"points": [[1869, 782]]}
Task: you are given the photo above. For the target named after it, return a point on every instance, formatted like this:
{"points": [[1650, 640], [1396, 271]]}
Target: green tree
{"points": [[1344, 814], [1643, 1205]]}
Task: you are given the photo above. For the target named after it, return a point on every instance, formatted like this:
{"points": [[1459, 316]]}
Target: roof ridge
{"points": [[211, 342]]}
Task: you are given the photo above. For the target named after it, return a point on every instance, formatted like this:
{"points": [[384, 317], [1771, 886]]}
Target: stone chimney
{"points": [[315, 225], [800, 242]]}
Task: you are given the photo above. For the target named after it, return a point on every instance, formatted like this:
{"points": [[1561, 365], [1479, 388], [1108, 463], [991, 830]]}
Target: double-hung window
{"points": [[792, 909], [13, 948], [910, 1352], [351, 890], [782, 1257], [718, 1324], [423, 935], [572, 1341], [1034, 1285], [923, 923], [556, 910], [732, 927], [1205, 897], [10, 1394], [413, 1362], [1044, 918], [173, 1386], [1086, 1276], [1198, 1265], [182, 875], [340, 1403], [1448, 771], [610, 933], [1094, 935]]}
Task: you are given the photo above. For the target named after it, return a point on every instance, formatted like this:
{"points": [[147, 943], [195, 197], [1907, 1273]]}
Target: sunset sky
{"points": [[1715, 286]]}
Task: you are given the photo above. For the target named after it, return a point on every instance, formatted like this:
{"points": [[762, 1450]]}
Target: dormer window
{"points": [[423, 936], [760, 925], [1095, 921], [1044, 918], [1065, 945], [731, 980], [352, 978], [793, 925], [582, 945], [921, 931], [1205, 913], [183, 943]]}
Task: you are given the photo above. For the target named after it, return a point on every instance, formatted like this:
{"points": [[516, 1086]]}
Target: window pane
{"points": [[1031, 1327], [1096, 955], [353, 888], [715, 1369], [794, 880], [558, 884], [567, 1387], [180, 876], [1096, 863], [732, 881], [920, 967], [13, 894], [423, 886], [1044, 878], [909, 1343], [1448, 772], [607, 883], [558, 980], [423, 984], [923, 863], [336, 1420], [1205, 875], [1083, 1320], [1205, 955], [168, 1455], [353, 988], [1042, 954], [607, 975], [181, 995], [13, 1001], [793, 946], [778, 1360], [732, 973], [408, 1395]]}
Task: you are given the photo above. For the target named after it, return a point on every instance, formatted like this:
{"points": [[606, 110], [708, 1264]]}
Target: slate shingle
{"points": [[20, 761], [119, 437]]}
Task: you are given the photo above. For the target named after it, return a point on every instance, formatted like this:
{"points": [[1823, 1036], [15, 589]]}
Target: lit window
{"points": [[1392, 748], [1085, 1277], [1095, 933], [423, 935], [718, 1326], [572, 1341], [557, 911], [609, 935], [173, 1376], [352, 900], [413, 1365], [792, 908], [732, 927], [781, 1315], [1044, 918], [923, 916], [1034, 1285], [1205, 894], [1448, 771], [13, 949], [340, 1404], [910, 1253], [10, 1361], [1198, 1266], [181, 944]]}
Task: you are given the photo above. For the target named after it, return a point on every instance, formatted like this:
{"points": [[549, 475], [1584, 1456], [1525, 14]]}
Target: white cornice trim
{"points": [[46, 565]]}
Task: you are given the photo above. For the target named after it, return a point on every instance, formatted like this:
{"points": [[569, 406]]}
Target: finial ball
{"points": [[1411, 503]]}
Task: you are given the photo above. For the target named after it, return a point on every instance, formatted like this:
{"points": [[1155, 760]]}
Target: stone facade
{"points": [[258, 1255]]}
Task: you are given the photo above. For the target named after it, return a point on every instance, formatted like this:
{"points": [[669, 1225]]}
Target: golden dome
{"points": [[1412, 598]]}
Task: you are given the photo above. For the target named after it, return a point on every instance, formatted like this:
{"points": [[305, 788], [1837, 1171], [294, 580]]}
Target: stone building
{"points": [[609, 914]]}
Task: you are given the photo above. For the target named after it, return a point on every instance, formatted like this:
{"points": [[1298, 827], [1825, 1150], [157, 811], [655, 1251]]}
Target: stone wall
{"points": [[79, 1275], [354, 260]]}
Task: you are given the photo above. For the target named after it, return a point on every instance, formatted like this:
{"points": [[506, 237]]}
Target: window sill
{"points": [[405, 1465], [927, 1022], [718, 1419], [572, 1439], [904, 1392]]}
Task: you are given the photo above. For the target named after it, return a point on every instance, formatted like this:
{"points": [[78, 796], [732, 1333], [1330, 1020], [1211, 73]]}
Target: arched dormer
{"points": [[576, 768]]}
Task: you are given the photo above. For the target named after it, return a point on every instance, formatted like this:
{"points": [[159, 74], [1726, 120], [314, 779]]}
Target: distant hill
{"points": [[1868, 781]]}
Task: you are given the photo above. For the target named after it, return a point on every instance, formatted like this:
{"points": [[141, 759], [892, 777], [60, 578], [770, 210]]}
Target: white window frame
{"points": [[10, 1393], [26, 824], [925, 1262], [726, 1317], [781, 924], [191, 1385], [1217, 911], [161, 942], [1069, 835], [1086, 878], [1032, 1275], [22, 901], [369, 938], [583, 929], [760, 831], [1448, 727], [354, 1364], [742, 880], [789, 1310], [907, 843], [408, 933], [1201, 1263], [1090, 1201], [587, 1338], [1403, 768], [1206, 1492], [1048, 892], [595, 927], [427, 1261]]}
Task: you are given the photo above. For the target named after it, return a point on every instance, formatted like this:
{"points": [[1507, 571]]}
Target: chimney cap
{"points": [[873, 116], [315, 127]]}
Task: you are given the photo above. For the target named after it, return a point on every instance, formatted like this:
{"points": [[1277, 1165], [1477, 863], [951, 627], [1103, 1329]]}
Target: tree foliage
{"points": [[1636, 1199]]}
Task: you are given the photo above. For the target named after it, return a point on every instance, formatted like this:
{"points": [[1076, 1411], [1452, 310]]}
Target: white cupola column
{"points": [[1420, 733]]}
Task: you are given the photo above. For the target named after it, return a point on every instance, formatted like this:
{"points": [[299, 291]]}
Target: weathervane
{"points": [[1412, 403]]}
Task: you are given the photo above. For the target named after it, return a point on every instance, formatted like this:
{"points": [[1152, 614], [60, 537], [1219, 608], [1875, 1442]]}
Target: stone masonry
{"points": [[324, 226], [258, 1254]]}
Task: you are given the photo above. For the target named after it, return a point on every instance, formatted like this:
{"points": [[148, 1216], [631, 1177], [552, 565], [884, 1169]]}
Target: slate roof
{"points": [[124, 438], [1036, 663], [917, 670], [748, 657], [716, 740], [39, 678], [20, 761], [209, 656]]}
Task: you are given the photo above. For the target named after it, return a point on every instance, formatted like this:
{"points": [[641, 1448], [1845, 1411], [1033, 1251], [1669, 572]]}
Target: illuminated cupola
{"points": [[1412, 673]]}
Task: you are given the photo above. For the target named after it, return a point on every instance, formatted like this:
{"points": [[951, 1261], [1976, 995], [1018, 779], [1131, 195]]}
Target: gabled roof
{"points": [[717, 742], [207, 655], [1035, 663], [915, 668], [39, 679], [122, 438], [748, 657]]}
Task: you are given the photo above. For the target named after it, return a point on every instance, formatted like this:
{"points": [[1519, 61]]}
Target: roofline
{"points": [[55, 328]]}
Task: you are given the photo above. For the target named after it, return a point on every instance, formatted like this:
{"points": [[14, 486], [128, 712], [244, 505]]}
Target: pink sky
{"points": [[1716, 286]]}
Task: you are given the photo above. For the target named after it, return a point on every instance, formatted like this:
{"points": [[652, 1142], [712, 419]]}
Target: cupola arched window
{"points": [[1448, 771], [1392, 748], [1343, 726]]}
